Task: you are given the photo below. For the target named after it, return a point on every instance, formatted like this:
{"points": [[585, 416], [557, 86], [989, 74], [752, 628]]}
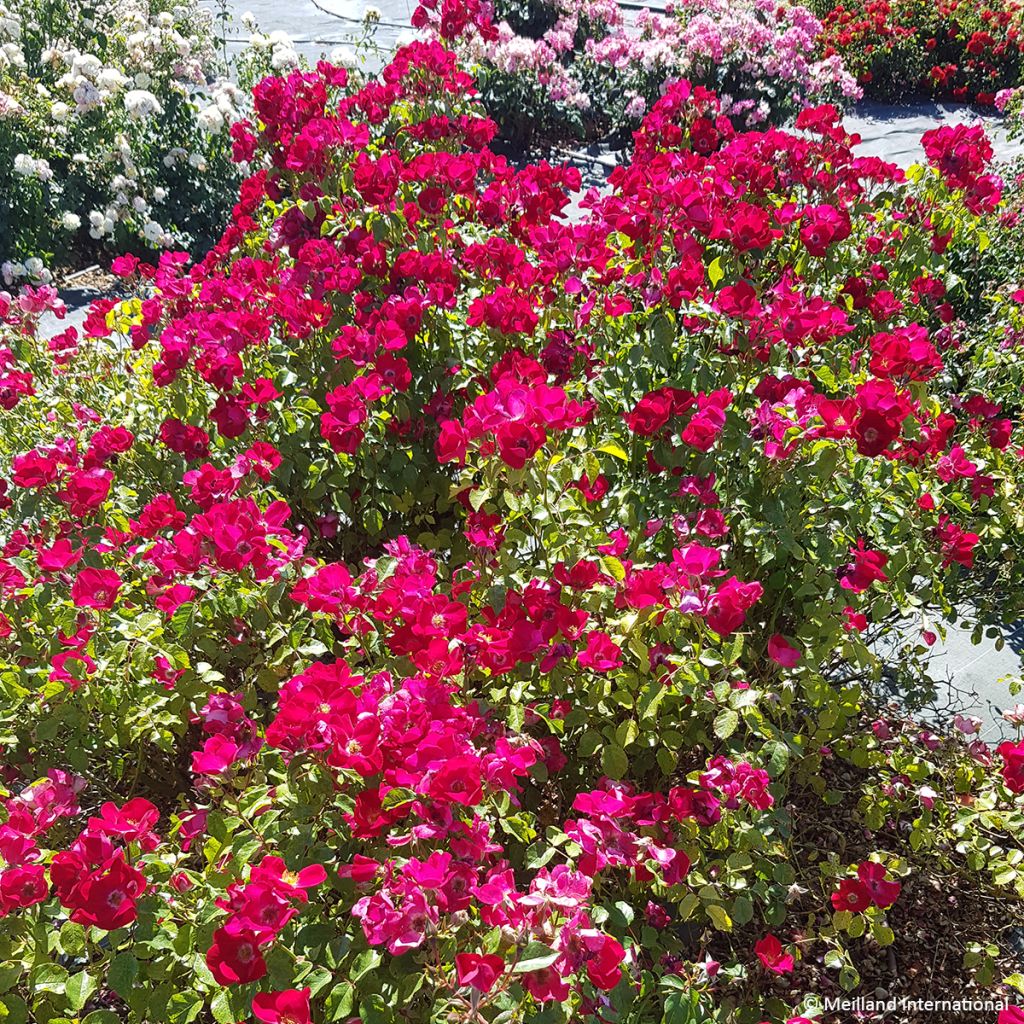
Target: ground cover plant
{"points": [[429, 608]]}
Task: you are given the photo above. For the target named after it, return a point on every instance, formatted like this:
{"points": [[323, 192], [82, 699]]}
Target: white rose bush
{"points": [[115, 122]]}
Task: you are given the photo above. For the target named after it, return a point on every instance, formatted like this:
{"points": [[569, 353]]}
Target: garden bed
{"points": [[456, 595]]}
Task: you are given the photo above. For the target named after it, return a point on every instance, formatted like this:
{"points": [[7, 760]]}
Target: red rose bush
{"points": [[964, 50], [430, 606]]}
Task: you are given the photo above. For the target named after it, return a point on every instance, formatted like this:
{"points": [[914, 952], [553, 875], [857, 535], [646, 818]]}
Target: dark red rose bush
{"points": [[967, 50], [429, 606]]}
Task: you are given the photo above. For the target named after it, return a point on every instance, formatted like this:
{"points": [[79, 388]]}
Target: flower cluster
{"points": [[869, 888], [580, 65]]}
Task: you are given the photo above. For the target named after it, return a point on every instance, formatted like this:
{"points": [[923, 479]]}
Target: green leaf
{"points": [[1016, 981], [535, 957], [590, 743], [72, 938], [778, 757], [15, 1010], [220, 1007], [121, 974], [365, 962], [317, 979], [396, 797], [339, 1002], [9, 975], [849, 979], [109, 1017], [715, 271], [374, 1010], [48, 978], [719, 917], [613, 567], [682, 1007], [627, 732], [78, 989], [611, 448], [650, 697], [742, 910], [184, 1007], [614, 761], [667, 761], [783, 873], [725, 723]]}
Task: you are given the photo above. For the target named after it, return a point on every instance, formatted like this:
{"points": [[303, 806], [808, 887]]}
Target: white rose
{"points": [[110, 79], [210, 119], [70, 221], [284, 58], [87, 96], [141, 104], [344, 57]]}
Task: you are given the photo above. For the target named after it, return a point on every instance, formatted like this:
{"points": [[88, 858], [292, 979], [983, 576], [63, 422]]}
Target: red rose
{"points": [[478, 970], [773, 955], [290, 1006], [1013, 765], [852, 895], [96, 588], [235, 957]]}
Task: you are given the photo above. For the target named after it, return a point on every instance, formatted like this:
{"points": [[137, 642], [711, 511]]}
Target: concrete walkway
{"points": [[894, 132]]}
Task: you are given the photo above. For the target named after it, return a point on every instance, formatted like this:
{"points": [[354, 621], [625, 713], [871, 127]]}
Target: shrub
{"points": [[114, 124], [428, 606], [959, 49], [582, 68]]}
